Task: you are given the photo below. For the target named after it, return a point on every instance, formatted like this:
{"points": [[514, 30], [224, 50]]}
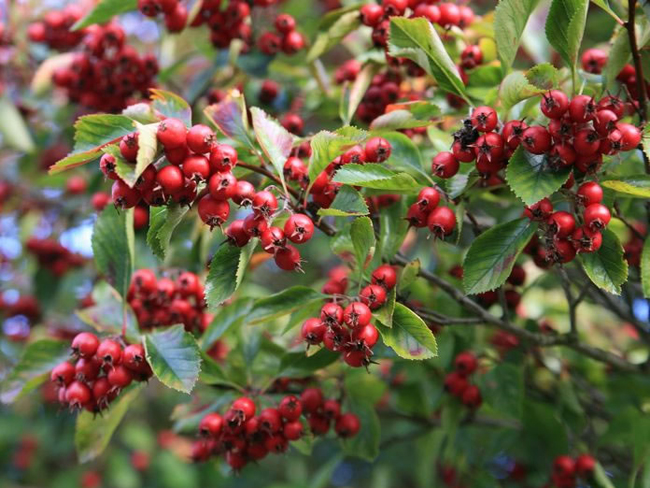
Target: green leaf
{"points": [[384, 314], [492, 255], [171, 105], [229, 116], [377, 177], [645, 268], [104, 11], [326, 146], [531, 178], [604, 4], [227, 269], [94, 432], [514, 88], [392, 229], [162, 223], [276, 141], [544, 76], [13, 128], [213, 374], [352, 94], [113, 247], [92, 134], [34, 367], [326, 40], [174, 357], [406, 116], [510, 18], [417, 40], [503, 389], [409, 336], [607, 267], [347, 203], [299, 365], [226, 318], [620, 55], [363, 241], [108, 314], [147, 146], [601, 478], [282, 303], [634, 186], [409, 274], [361, 399], [404, 154], [565, 26]]}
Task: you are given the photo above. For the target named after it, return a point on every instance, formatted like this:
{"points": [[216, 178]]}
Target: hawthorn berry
{"points": [[222, 186], [273, 239], [313, 331], [299, 228], [85, 344], [441, 221], [485, 119], [445, 165], [554, 104], [129, 147], [385, 276], [347, 425], [562, 224], [288, 258], [374, 296], [110, 352], [597, 216], [371, 14], [172, 133], [536, 140], [589, 192], [211, 425], [63, 374]]}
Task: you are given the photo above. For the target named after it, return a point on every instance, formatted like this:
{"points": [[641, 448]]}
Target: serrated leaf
{"points": [[409, 275], [13, 128], [113, 247], [510, 19], [645, 269], [104, 11], [276, 141], [326, 146], [544, 76], [92, 133], [607, 267], [227, 269], [174, 357], [565, 27], [162, 223], [392, 229], [531, 178], [94, 432], [409, 336], [492, 255], [353, 93], [283, 303], [384, 314], [171, 105], [363, 241], [633, 186], [299, 365], [514, 88], [229, 116], [406, 116], [347, 203], [226, 318], [404, 153], [417, 40], [334, 33], [33, 368], [377, 177]]}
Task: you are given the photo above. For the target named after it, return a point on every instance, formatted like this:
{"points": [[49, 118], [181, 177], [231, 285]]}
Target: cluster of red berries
{"points": [[634, 245], [566, 234], [445, 14], [337, 281], [324, 190], [594, 60], [100, 199], [53, 256], [25, 305], [164, 302], [566, 470], [286, 38], [425, 212], [348, 330], [54, 29], [242, 437], [98, 372], [107, 73], [174, 12], [383, 91], [457, 382]]}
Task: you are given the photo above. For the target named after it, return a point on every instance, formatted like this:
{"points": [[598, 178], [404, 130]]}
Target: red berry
{"points": [[255, 225], [211, 425], [292, 431], [288, 258], [172, 133], [582, 109], [134, 358], [347, 425], [273, 239], [605, 121], [313, 331], [585, 466], [597, 216], [455, 383], [213, 212], [222, 186], [371, 14], [631, 136], [311, 399], [445, 165], [373, 295], [63, 374], [244, 194], [589, 192], [586, 142], [270, 420], [450, 14], [366, 336], [586, 240], [87, 369], [107, 166], [471, 397], [562, 154], [489, 148], [593, 60], [292, 43], [77, 394], [513, 131], [441, 221], [200, 138], [428, 198], [123, 196], [471, 56], [245, 407], [517, 276], [290, 408], [120, 376], [466, 363], [129, 147], [554, 104], [176, 20], [269, 43], [385, 276], [171, 179], [293, 123], [561, 224], [85, 344], [331, 314], [378, 150], [536, 140], [110, 352], [236, 233], [485, 119], [299, 228], [285, 23], [265, 203], [417, 215], [564, 466], [196, 168], [357, 314]]}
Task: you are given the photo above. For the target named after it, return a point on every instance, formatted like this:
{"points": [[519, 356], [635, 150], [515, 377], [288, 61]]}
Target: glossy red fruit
{"points": [[432, 14], [561, 224], [171, 179], [605, 121], [366, 336], [176, 20], [288, 258], [200, 138], [211, 425], [176, 155], [597, 216], [255, 225], [562, 154], [417, 215], [331, 314], [107, 166], [265, 203], [299, 228], [512, 132], [172, 133], [441, 221], [196, 168], [586, 240], [582, 109], [292, 431], [273, 239], [563, 251], [134, 358], [471, 56], [223, 157], [269, 43], [87, 369], [236, 233], [554, 104], [517, 276], [540, 210], [213, 212], [347, 425], [290, 408], [373, 295], [445, 165], [489, 148], [385, 276], [85, 344], [311, 399], [630, 136], [589, 192], [270, 420], [110, 352], [536, 140], [293, 42], [466, 363], [586, 142], [245, 191], [120, 376], [462, 152], [245, 407], [77, 394], [593, 60], [455, 383], [378, 150], [450, 14], [357, 314], [123, 196], [129, 147], [371, 14], [63, 374], [284, 23], [471, 397], [222, 186], [394, 7], [428, 198], [313, 331], [564, 466], [585, 466], [484, 119]]}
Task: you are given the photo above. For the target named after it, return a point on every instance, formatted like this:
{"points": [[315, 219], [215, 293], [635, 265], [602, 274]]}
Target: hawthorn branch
{"points": [[630, 26]]}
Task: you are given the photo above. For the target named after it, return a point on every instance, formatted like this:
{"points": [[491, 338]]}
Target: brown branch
{"points": [[642, 94]]}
